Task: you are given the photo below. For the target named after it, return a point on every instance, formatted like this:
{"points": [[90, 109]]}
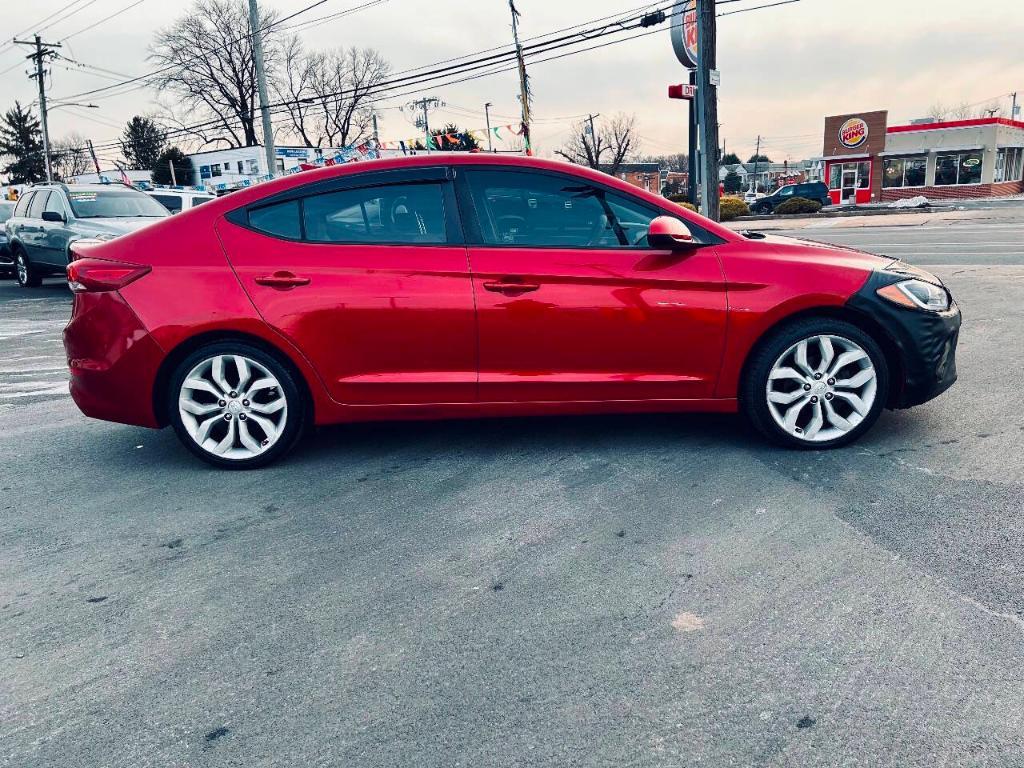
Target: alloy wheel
{"points": [[22, 267], [233, 407], [821, 388]]}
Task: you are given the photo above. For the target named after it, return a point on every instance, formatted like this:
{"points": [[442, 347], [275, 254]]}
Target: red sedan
{"points": [[447, 285]]}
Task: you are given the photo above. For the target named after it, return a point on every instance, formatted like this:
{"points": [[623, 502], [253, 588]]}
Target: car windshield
{"points": [[6, 209], [114, 203]]}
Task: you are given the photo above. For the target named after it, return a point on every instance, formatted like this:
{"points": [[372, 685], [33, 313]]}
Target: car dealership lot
{"points": [[591, 591]]}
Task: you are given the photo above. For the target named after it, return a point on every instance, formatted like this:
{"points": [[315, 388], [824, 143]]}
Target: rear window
{"points": [[114, 203], [171, 202]]}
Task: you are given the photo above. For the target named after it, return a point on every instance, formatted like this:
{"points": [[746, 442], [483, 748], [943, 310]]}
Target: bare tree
{"points": [[70, 157], [327, 93], [207, 71], [613, 141]]}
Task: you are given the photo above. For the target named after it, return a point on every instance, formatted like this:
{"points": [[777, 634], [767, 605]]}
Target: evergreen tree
{"points": [[466, 141], [21, 144], [142, 142], [732, 182]]}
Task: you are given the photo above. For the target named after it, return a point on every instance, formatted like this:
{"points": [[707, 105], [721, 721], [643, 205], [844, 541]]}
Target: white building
{"points": [[241, 166]]}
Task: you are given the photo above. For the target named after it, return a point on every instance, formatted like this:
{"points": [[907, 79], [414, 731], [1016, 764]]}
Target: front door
{"points": [[849, 189], [571, 303], [369, 279]]}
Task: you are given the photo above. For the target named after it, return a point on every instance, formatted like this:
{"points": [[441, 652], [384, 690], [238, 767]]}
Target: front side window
{"points": [[114, 203], [550, 211], [55, 205], [961, 168], [392, 213]]}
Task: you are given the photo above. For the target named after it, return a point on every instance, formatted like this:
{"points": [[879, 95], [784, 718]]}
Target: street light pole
{"points": [[487, 115], [261, 84]]}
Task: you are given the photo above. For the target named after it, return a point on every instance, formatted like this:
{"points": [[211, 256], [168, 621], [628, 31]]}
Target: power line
{"points": [[101, 21]]}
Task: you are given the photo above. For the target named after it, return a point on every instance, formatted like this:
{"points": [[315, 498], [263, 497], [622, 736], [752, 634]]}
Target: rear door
{"points": [[32, 226], [55, 235], [573, 305], [367, 275]]}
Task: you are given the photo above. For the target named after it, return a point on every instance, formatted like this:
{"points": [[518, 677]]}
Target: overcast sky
{"points": [[783, 69]]}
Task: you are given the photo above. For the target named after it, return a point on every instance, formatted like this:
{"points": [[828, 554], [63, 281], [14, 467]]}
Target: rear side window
{"points": [[38, 204], [171, 202], [23, 204], [280, 219], [200, 200], [392, 213]]}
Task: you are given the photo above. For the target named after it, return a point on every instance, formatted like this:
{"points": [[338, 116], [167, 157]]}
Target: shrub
{"points": [[731, 207], [798, 205]]}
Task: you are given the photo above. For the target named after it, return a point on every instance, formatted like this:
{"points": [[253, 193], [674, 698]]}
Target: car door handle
{"points": [[510, 286], [282, 280]]}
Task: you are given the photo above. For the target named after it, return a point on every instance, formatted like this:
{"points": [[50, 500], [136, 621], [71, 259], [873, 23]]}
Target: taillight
{"points": [[97, 275]]}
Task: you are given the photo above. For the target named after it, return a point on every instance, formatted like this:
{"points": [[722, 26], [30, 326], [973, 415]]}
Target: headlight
{"points": [[917, 294]]}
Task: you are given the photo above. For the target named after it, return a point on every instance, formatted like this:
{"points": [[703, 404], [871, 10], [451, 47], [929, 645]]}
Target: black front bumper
{"points": [[924, 341]]}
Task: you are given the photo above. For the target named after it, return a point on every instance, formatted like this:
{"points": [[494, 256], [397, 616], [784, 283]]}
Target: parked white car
{"points": [[178, 200]]}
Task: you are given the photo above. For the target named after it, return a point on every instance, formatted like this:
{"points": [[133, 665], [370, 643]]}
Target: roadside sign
{"points": [[684, 32], [682, 91]]}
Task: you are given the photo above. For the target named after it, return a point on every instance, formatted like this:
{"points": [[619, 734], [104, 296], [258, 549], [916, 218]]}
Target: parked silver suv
{"points": [[49, 217]]}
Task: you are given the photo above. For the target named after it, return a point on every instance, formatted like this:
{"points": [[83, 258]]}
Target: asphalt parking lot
{"points": [[620, 591]]}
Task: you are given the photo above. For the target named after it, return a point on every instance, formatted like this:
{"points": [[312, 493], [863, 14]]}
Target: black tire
{"points": [[295, 396], [29, 277], [753, 395]]}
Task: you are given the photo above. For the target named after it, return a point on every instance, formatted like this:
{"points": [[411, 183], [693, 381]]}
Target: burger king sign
{"points": [[853, 133]]}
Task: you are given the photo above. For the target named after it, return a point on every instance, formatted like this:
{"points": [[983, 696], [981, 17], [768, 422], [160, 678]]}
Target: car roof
{"points": [[257, 192]]}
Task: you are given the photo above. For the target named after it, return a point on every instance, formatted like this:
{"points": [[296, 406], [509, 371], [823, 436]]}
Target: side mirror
{"points": [[52, 216], [668, 233]]}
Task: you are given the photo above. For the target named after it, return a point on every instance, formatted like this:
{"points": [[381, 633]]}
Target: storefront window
{"points": [[892, 172], [835, 177], [962, 168], [1009, 164], [904, 172], [863, 175]]}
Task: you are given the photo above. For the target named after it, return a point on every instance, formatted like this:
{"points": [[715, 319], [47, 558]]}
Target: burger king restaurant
{"points": [[869, 161]]}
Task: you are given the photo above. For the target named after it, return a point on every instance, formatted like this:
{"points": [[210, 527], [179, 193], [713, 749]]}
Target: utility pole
{"points": [[524, 82], [376, 132], [261, 83], [95, 162], [593, 139], [425, 104], [1013, 106], [707, 95], [757, 159], [487, 114], [42, 52], [174, 177]]}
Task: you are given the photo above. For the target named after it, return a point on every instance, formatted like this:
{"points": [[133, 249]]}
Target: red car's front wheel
{"points": [[818, 383]]}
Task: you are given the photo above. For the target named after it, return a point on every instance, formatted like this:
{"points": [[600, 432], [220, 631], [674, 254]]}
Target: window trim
{"points": [[440, 175], [474, 232]]}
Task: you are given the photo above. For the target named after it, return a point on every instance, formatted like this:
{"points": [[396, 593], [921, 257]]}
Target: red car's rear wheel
{"points": [[234, 405]]}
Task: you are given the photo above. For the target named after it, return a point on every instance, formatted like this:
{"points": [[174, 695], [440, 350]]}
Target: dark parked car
{"points": [[811, 190], [6, 259], [49, 217]]}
